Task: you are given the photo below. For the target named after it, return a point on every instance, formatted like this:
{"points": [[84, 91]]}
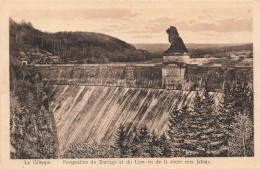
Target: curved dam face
{"points": [[93, 113], [90, 102]]}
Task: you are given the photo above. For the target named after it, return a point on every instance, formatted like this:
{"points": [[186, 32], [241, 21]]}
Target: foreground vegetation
{"points": [[203, 130], [32, 129]]}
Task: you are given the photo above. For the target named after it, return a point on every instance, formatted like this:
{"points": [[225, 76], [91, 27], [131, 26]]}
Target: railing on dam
{"points": [[98, 65]]}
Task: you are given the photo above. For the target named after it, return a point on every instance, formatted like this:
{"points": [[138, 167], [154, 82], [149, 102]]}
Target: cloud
{"points": [[142, 36], [108, 13], [105, 29], [72, 14], [222, 25], [137, 31], [204, 17], [235, 25], [163, 20], [210, 34], [160, 24], [145, 25], [119, 25]]}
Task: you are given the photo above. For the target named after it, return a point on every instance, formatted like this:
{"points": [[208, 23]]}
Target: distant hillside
{"points": [[204, 46], [196, 50], [220, 52], [152, 47], [76, 47]]}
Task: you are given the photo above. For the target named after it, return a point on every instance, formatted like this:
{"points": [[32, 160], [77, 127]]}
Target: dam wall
{"points": [[190, 77], [83, 96], [93, 113]]}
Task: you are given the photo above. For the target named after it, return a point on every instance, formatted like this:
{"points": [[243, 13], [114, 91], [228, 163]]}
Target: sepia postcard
{"points": [[129, 84]]}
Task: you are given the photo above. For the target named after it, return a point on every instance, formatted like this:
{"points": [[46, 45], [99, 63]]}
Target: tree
{"points": [[177, 130], [120, 141], [226, 114], [211, 133], [134, 143], [243, 99], [144, 142], [240, 143], [154, 146], [193, 128], [195, 132], [144, 133], [165, 145], [235, 109]]}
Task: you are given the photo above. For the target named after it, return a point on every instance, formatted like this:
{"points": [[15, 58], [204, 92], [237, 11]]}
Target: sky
{"points": [[147, 22]]}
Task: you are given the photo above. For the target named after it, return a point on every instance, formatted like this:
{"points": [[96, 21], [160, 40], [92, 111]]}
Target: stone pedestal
{"points": [[173, 71], [177, 59]]}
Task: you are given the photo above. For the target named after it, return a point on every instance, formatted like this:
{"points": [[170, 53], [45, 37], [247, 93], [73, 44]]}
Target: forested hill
{"points": [[75, 47]]}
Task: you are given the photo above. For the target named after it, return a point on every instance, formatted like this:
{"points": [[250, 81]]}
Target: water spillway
{"points": [[93, 113]]}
